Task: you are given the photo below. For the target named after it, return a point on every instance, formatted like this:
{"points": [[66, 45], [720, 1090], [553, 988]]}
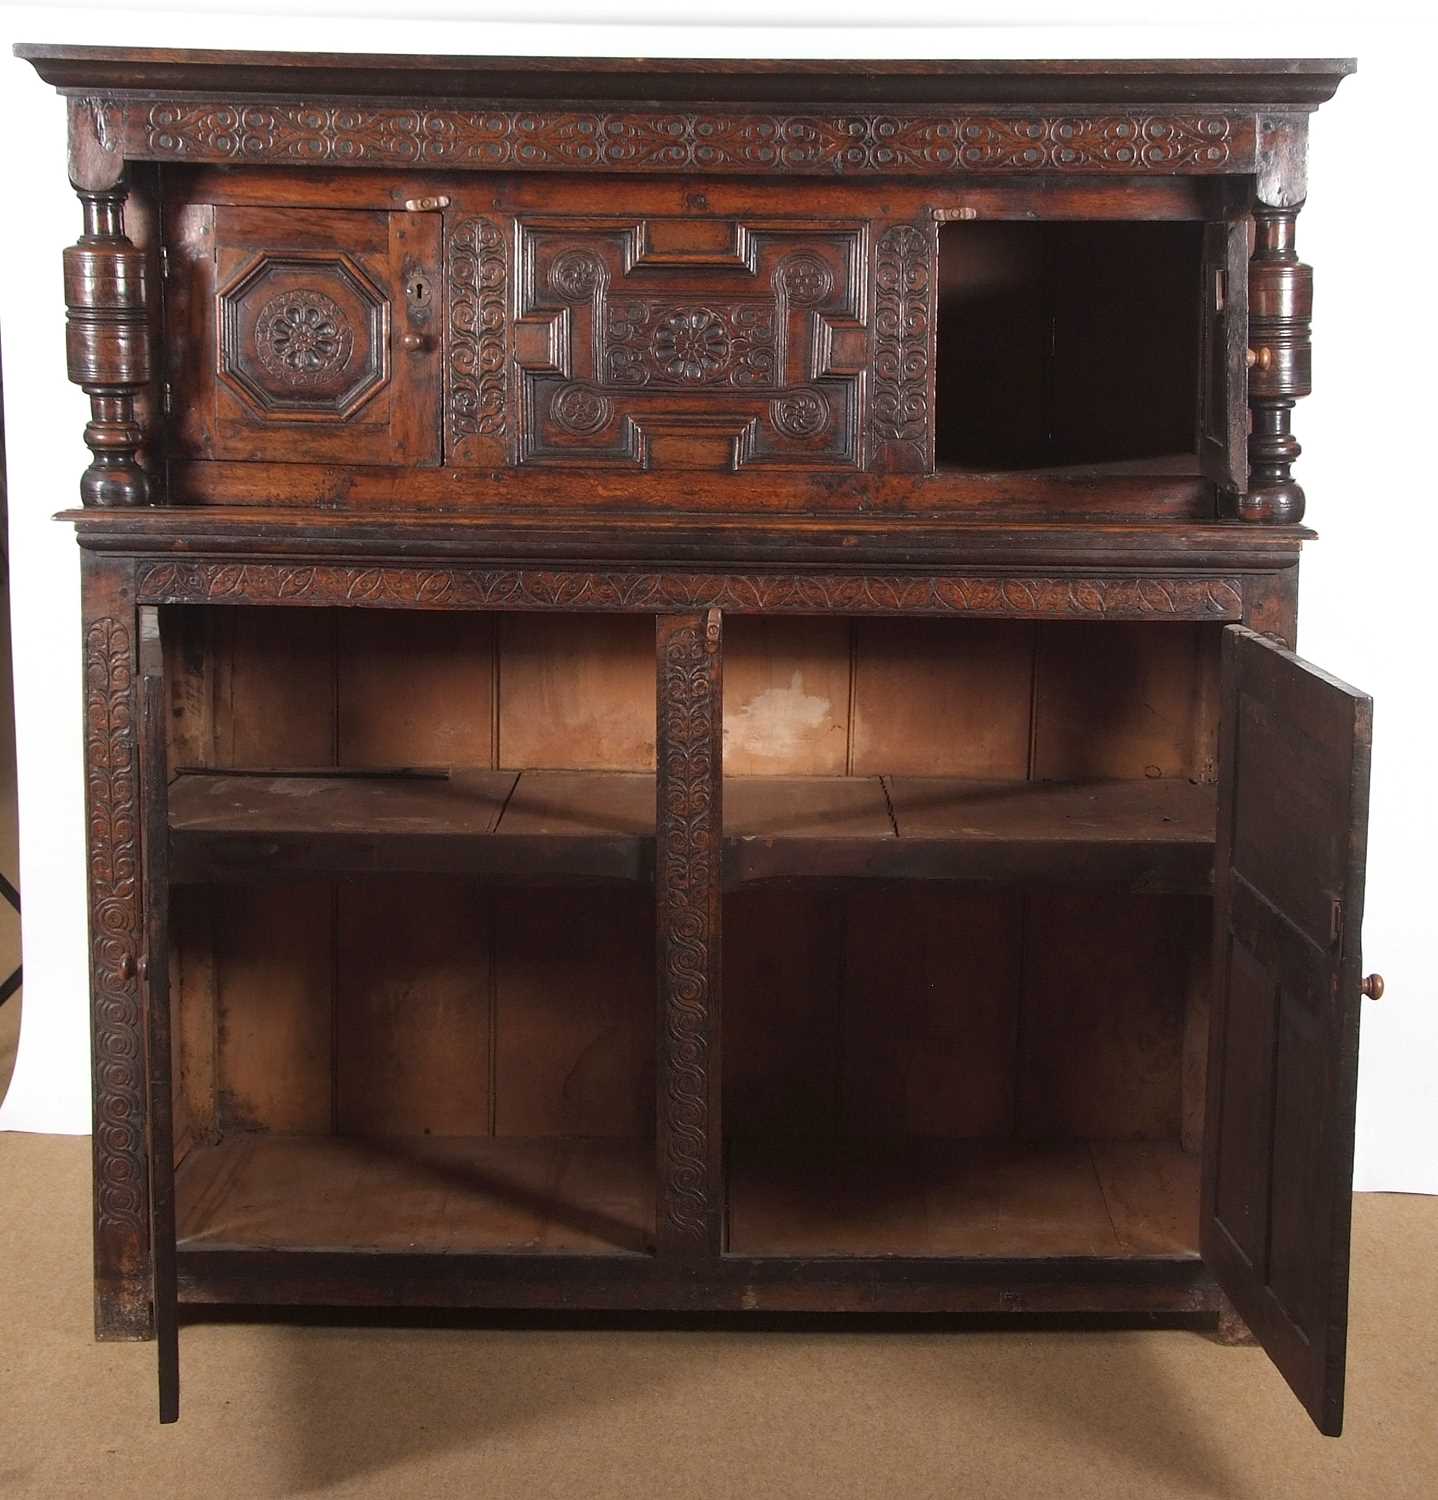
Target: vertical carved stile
{"points": [[477, 263], [901, 399], [107, 343], [689, 828], [117, 1031], [1280, 305]]}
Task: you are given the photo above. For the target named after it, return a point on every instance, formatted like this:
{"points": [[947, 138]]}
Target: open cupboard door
{"points": [[154, 976], [1223, 372], [1283, 1049]]}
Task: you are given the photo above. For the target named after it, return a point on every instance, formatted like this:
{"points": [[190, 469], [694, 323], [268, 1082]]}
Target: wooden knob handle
{"points": [[1261, 359], [1372, 987], [414, 342]]}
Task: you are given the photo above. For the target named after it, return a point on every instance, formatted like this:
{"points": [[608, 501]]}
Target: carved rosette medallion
{"points": [[806, 280], [581, 410], [691, 345], [302, 336], [800, 414], [575, 274], [112, 777], [662, 344]]}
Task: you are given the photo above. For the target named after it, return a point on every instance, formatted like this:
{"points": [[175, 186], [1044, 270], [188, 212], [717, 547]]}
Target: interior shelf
{"points": [[563, 1195], [1119, 1200], [599, 825]]}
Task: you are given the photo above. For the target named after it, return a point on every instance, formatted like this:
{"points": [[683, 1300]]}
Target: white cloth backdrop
{"points": [[1367, 585]]}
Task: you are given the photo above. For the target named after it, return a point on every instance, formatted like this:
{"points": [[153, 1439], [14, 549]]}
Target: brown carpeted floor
{"points": [[278, 1410]]}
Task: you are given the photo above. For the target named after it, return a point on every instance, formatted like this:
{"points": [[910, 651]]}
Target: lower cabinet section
{"points": [[1006, 992], [435, 1065]]}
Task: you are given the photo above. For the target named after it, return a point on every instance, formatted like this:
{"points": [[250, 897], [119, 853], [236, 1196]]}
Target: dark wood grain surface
{"points": [[462, 430]]}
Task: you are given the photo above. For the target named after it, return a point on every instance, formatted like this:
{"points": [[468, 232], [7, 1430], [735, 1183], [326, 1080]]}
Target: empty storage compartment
{"points": [[399, 1063], [1065, 343], [956, 1071], [985, 1033], [390, 1036]]}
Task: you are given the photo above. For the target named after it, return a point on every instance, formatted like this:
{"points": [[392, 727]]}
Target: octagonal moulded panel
{"points": [[304, 337]]}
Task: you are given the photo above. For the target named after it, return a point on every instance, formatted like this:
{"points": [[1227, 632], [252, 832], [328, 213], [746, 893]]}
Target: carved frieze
{"points": [[860, 143], [1119, 597]]}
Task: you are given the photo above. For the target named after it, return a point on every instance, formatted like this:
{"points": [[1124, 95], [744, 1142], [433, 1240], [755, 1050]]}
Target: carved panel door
{"points": [[1283, 1049], [648, 342], [305, 335]]}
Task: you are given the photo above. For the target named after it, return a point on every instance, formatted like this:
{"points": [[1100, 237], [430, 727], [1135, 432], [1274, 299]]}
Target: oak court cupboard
{"points": [[689, 700]]}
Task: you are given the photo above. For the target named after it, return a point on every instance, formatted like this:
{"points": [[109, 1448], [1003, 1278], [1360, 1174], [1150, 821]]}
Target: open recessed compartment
{"points": [[966, 924], [989, 1040], [1070, 344], [402, 1024]]}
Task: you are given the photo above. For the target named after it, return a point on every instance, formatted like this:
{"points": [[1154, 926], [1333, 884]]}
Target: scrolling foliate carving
{"points": [[997, 595], [854, 144], [899, 419], [687, 877], [478, 344], [112, 771]]}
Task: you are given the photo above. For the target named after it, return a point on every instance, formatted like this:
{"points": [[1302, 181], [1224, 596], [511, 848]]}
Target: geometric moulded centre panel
{"points": [[303, 337]]}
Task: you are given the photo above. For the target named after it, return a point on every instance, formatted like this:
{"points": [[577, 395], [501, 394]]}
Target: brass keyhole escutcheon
{"points": [[418, 291]]}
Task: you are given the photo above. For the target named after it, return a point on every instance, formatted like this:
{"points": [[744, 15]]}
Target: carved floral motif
{"points": [[687, 876], [406, 587], [903, 279], [478, 330], [806, 279], [575, 274], [800, 414], [580, 410], [662, 344], [863, 143], [302, 336], [112, 772]]}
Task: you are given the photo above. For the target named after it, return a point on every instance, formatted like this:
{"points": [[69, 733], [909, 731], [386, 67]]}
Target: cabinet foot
{"points": [[122, 1316], [1231, 1330]]}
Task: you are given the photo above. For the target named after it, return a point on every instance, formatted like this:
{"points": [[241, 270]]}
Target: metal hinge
{"points": [[167, 398], [1335, 920], [164, 262]]}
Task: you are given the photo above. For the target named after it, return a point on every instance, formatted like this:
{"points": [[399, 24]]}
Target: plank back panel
{"points": [[783, 956], [928, 1041], [786, 696], [574, 1010], [1101, 1056], [414, 688], [1125, 700], [942, 698], [412, 1007], [275, 968]]}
